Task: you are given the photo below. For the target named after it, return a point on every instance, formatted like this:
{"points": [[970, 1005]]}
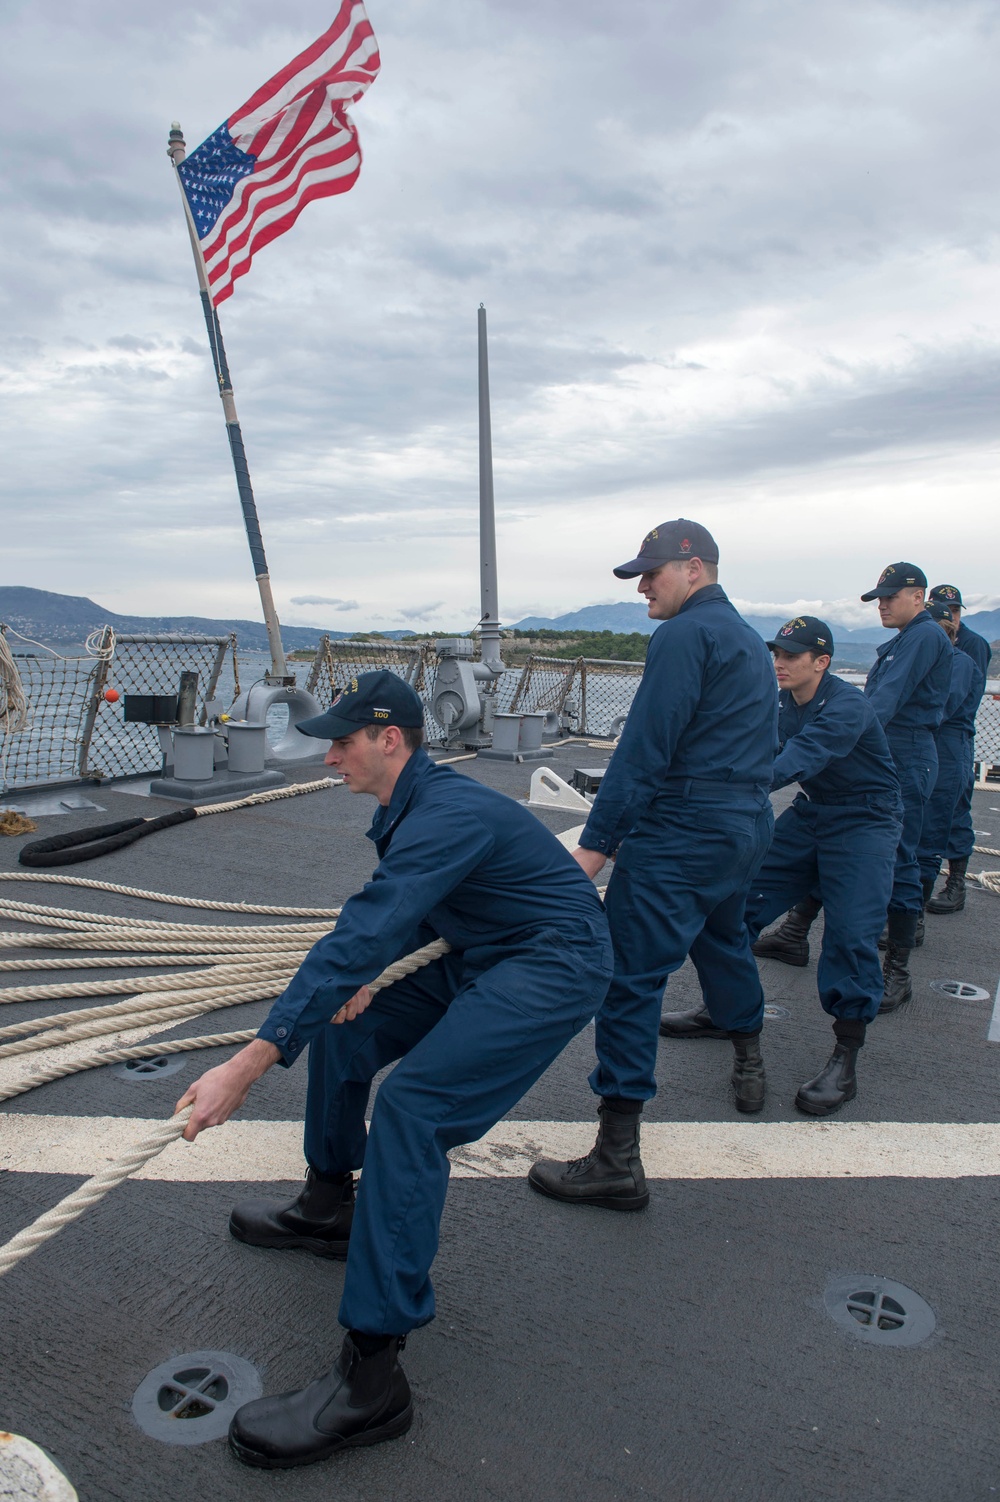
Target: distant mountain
{"points": [[55, 619], [852, 646]]}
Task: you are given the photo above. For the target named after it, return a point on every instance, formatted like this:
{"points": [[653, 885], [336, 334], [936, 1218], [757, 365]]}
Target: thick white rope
{"points": [[988, 880], [56, 1071], [90, 1193], [13, 700], [250, 967], [72, 918], [171, 899], [93, 1191], [271, 796]]}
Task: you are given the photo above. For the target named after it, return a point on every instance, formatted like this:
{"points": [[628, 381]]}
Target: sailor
{"points": [[530, 962], [837, 839], [951, 898], [954, 738], [683, 809], [907, 687]]}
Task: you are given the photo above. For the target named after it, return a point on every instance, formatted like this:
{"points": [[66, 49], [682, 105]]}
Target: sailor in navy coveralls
{"points": [[951, 898], [838, 838], [529, 965], [684, 809], [907, 688], [955, 747]]}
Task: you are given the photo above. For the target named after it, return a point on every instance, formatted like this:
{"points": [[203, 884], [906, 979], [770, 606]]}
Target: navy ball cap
{"points": [[896, 577], [669, 543], [378, 698], [804, 633]]}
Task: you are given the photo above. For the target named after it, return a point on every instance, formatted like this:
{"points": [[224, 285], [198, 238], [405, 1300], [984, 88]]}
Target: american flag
{"points": [[290, 143]]}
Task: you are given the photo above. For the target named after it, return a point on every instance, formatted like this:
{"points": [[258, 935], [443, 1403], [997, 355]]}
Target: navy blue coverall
{"points": [[907, 688], [530, 963], [688, 785], [954, 738], [837, 839], [963, 836]]}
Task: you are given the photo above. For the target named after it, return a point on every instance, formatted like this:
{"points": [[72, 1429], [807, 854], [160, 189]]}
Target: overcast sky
{"points": [[739, 262]]}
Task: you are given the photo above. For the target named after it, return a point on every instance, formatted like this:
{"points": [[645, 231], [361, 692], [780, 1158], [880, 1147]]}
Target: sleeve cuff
{"points": [[285, 1040]]}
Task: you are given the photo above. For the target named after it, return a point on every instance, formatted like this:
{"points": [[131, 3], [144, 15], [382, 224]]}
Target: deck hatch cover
{"points": [[962, 990], [878, 1309], [192, 1398], [140, 1071]]}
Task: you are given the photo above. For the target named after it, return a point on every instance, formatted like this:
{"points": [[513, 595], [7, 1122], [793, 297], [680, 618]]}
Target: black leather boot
{"points": [[364, 1400], [951, 898], [898, 987], [837, 1081], [696, 1023], [748, 1077], [928, 890], [611, 1176], [789, 942], [319, 1218]]}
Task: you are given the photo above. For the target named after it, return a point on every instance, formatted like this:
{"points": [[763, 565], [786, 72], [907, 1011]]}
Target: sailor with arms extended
{"points": [[838, 839], [951, 898], [907, 688], [944, 818], [529, 965], [684, 809]]}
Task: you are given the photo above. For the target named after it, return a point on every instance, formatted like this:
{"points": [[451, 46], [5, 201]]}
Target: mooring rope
{"points": [[263, 909], [93, 1191], [988, 880]]}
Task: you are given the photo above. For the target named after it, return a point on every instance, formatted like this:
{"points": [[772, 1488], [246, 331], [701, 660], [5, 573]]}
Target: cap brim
{"points": [[634, 569], [884, 592], [792, 646], [327, 727]]}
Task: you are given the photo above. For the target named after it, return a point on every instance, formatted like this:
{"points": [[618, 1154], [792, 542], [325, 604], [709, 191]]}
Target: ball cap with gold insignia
{"points": [[946, 594], [669, 543], [804, 633], [938, 610], [896, 577], [378, 698]]}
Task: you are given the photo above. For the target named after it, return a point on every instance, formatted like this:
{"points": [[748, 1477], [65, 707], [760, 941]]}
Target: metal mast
{"points": [[177, 150], [489, 626]]}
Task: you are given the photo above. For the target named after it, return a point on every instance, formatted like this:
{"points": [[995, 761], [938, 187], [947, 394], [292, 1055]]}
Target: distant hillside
{"points": [[55, 619], [852, 646]]}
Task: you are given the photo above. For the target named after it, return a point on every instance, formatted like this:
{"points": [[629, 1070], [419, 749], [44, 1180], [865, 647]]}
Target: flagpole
{"points": [[177, 150]]}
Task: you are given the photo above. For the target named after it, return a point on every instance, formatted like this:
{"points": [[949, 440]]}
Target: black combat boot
{"points": [[748, 1078], [951, 898], [898, 987], [927, 887], [789, 942], [611, 1176], [837, 1081], [696, 1023], [319, 1218], [364, 1400]]}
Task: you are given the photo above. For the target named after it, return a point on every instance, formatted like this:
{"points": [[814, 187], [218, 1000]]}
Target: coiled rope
{"points": [[93, 1191], [988, 880]]}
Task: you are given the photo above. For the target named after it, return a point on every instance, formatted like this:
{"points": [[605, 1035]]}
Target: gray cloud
{"points": [[324, 600], [727, 251]]}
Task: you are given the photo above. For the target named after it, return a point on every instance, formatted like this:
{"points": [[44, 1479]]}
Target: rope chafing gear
{"points": [[86, 844]]}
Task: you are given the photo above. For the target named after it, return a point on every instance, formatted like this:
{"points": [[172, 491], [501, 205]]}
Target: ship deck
{"points": [[683, 1354]]}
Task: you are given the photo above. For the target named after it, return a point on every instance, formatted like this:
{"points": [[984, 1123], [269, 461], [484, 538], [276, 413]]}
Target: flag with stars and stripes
{"points": [[290, 143]]}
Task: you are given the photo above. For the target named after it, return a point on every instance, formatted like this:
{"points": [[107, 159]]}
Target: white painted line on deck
{"points": [[270, 1151], [993, 1035]]}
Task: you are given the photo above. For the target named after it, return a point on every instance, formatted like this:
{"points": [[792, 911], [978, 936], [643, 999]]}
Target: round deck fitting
{"points": [[192, 1398], [140, 1071], [961, 990], [775, 1013], [878, 1310]]}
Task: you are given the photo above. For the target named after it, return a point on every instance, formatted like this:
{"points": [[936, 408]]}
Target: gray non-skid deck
{"points": [[683, 1353]]}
